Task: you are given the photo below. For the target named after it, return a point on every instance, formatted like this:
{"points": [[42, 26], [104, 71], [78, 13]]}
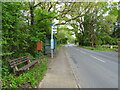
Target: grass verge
{"points": [[28, 79], [99, 48]]}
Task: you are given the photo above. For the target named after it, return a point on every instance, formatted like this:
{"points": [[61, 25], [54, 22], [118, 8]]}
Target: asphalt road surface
{"points": [[94, 69]]}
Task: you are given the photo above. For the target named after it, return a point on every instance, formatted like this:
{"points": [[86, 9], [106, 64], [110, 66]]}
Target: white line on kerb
{"points": [[97, 58]]}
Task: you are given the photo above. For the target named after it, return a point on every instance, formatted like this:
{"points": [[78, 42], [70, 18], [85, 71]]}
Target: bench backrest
{"points": [[18, 61]]}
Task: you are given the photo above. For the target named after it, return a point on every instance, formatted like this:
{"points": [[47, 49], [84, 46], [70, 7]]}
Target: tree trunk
{"points": [[32, 12], [92, 44]]}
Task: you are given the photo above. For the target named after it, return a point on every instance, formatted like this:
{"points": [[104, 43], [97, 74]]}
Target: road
{"points": [[94, 69]]}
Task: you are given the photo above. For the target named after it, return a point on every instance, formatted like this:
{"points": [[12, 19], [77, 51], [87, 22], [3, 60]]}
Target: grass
{"points": [[28, 79], [100, 48]]}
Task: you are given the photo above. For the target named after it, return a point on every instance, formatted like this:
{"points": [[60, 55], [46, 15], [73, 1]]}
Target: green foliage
{"points": [[64, 36], [27, 79], [97, 26], [19, 38], [102, 48]]}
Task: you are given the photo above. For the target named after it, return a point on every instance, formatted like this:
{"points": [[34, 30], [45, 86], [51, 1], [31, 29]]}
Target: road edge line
{"points": [[71, 65]]}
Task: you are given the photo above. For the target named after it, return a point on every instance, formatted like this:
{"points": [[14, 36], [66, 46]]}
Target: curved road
{"points": [[94, 69]]}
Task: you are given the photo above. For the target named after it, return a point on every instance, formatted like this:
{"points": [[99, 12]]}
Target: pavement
{"points": [[94, 69], [59, 74]]}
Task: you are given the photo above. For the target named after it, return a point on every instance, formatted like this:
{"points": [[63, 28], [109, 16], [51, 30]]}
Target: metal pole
{"points": [[51, 43]]}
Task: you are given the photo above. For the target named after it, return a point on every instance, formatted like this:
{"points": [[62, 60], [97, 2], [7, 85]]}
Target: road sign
{"points": [[54, 28], [54, 31], [51, 24]]}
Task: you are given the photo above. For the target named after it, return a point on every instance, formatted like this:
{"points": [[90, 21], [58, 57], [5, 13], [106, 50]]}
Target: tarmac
{"points": [[59, 73]]}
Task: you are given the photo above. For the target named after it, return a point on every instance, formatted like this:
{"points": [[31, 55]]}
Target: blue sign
{"points": [[54, 28], [54, 31], [51, 24]]}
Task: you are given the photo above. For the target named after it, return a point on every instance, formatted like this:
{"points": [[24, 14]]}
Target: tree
{"points": [[91, 28]]}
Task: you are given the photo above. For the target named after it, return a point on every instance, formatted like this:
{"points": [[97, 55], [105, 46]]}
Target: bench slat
{"points": [[19, 59], [16, 62], [28, 66]]}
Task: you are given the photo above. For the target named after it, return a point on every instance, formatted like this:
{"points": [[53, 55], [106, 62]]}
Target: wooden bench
{"points": [[14, 64]]}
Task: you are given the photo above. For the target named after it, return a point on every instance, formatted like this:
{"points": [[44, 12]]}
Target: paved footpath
{"points": [[59, 74]]}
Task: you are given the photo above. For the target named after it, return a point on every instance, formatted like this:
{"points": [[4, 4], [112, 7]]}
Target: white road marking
{"points": [[91, 56], [97, 58]]}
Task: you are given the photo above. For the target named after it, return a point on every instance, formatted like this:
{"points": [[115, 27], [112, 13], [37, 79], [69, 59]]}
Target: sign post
{"points": [[52, 44], [54, 29]]}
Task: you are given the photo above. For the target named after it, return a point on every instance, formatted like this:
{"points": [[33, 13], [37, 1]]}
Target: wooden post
{"points": [[119, 47], [15, 69], [118, 50]]}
